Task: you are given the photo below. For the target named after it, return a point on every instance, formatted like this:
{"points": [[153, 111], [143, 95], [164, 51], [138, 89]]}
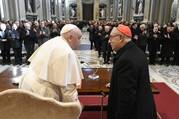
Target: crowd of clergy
{"points": [[160, 43]]}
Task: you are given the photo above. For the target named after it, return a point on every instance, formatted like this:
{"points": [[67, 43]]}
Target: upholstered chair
{"points": [[20, 104]]}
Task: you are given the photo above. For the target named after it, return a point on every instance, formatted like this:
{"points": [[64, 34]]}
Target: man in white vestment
{"points": [[54, 69]]}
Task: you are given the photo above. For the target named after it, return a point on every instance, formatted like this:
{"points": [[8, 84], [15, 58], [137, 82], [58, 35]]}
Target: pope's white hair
{"points": [[68, 27]]}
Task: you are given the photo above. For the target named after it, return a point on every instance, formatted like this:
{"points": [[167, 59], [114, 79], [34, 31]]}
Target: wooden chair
{"points": [[20, 104]]}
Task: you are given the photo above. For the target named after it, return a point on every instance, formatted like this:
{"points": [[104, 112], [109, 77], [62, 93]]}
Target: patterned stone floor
{"points": [[167, 74], [89, 59]]}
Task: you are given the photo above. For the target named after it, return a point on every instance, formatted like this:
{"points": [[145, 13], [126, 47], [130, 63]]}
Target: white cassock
{"points": [[54, 71]]}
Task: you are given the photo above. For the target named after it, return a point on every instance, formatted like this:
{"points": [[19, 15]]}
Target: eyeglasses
{"points": [[113, 36]]}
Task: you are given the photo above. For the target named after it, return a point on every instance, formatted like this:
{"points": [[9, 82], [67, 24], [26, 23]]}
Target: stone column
{"points": [[39, 9], [154, 10], [96, 10], [21, 9], [1, 10], [115, 9], [67, 16], [111, 9], [5, 8], [108, 7], [162, 10], [13, 10], [58, 9], [147, 9], [165, 11], [127, 10], [79, 10], [130, 11], [169, 9], [133, 5], [177, 17], [46, 9], [124, 10]]}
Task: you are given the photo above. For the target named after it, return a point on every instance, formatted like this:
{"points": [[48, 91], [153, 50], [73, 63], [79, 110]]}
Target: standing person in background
{"points": [[99, 40], [153, 44], [16, 44], [95, 36], [130, 95], [22, 34], [43, 34], [29, 40], [91, 35], [167, 40], [5, 43], [142, 41], [54, 69], [106, 48], [135, 32], [175, 35], [54, 31]]}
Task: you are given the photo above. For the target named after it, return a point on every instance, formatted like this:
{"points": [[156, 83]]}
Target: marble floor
{"points": [[89, 59], [166, 74]]}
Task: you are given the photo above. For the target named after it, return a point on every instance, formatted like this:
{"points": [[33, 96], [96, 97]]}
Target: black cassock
{"points": [[130, 94]]}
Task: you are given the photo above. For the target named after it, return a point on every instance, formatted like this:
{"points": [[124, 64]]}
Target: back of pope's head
{"points": [[72, 34], [70, 28]]}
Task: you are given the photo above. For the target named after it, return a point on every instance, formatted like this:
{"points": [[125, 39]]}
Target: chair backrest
{"points": [[20, 104]]}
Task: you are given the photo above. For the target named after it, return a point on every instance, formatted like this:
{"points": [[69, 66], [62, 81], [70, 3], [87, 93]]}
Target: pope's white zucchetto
{"points": [[67, 27]]}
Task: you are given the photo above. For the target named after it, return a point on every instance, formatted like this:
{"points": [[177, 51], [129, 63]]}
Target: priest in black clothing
{"points": [[130, 95]]}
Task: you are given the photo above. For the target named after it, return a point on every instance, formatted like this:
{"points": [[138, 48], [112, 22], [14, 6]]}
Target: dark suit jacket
{"points": [[130, 94]]}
